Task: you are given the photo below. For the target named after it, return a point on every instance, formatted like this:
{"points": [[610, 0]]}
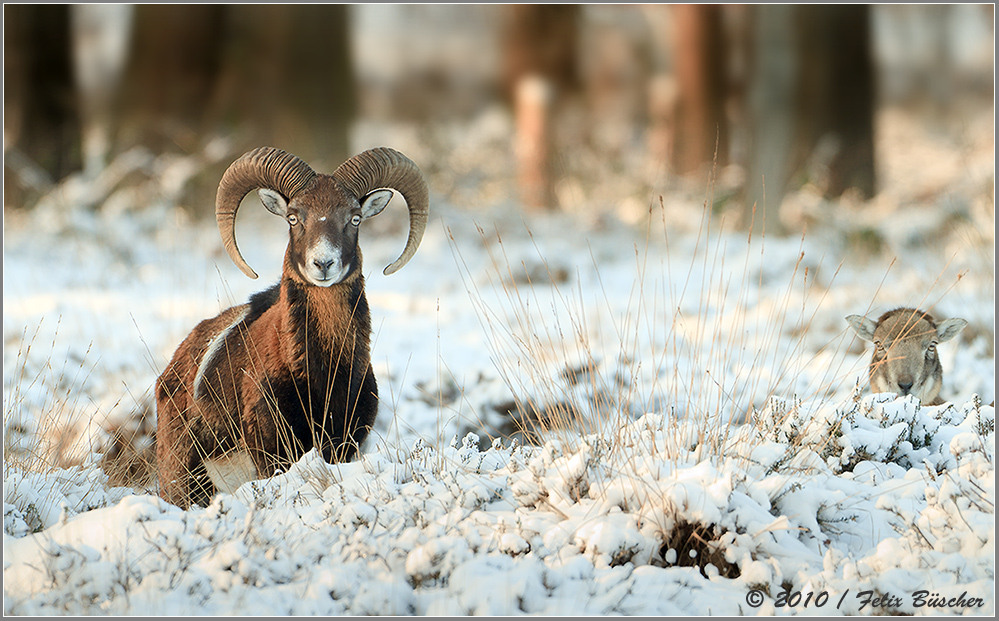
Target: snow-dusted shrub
{"points": [[874, 428], [34, 501]]}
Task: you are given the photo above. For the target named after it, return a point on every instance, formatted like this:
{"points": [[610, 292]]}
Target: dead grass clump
{"points": [[692, 544], [129, 456], [529, 422], [51, 424]]}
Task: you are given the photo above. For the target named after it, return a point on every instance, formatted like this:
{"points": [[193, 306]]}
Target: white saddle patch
{"points": [[212, 350], [230, 472]]}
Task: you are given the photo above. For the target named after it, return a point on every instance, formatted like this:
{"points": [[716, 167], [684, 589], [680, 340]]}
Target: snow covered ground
{"points": [[583, 413]]}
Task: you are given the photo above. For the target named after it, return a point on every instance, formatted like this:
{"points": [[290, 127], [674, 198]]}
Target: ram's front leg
{"points": [[349, 427], [262, 432]]}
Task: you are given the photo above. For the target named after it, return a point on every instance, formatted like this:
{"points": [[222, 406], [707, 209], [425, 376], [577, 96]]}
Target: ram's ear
{"points": [[273, 201], [374, 202], [863, 326]]}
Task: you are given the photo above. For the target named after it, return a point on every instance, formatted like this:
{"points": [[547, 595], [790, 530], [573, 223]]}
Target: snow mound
{"points": [[647, 520]]}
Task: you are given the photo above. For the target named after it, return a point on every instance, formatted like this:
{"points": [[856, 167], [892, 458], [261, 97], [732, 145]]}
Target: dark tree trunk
{"points": [[701, 131], [41, 119], [278, 75], [836, 95], [811, 105], [321, 92], [287, 79], [172, 70], [266, 74]]}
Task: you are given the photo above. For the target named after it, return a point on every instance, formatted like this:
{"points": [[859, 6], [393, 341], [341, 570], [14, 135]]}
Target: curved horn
{"points": [[387, 168], [265, 167]]}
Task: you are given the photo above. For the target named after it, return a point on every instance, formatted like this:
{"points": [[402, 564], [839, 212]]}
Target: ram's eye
{"points": [[292, 219], [356, 220]]}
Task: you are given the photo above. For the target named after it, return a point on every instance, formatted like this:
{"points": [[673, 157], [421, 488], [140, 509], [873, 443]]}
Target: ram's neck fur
{"points": [[329, 325]]}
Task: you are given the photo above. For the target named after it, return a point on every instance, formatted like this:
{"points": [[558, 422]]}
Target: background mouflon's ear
{"points": [[375, 202], [863, 326], [273, 201], [950, 328]]}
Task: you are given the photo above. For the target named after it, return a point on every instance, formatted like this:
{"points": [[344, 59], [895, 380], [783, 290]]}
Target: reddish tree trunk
{"points": [[540, 68], [541, 39], [534, 142], [701, 135]]}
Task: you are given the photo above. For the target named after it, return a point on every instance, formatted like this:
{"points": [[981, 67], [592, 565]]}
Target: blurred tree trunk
{"points": [[836, 96], [771, 114], [287, 80], [700, 138], [41, 120], [540, 69], [322, 88], [541, 39], [533, 142], [278, 75], [172, 68], [101, 34], [811, 105]]}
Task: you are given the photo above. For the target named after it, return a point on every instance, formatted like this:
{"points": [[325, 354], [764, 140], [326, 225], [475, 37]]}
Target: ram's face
{"points": [[323, 225]]}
